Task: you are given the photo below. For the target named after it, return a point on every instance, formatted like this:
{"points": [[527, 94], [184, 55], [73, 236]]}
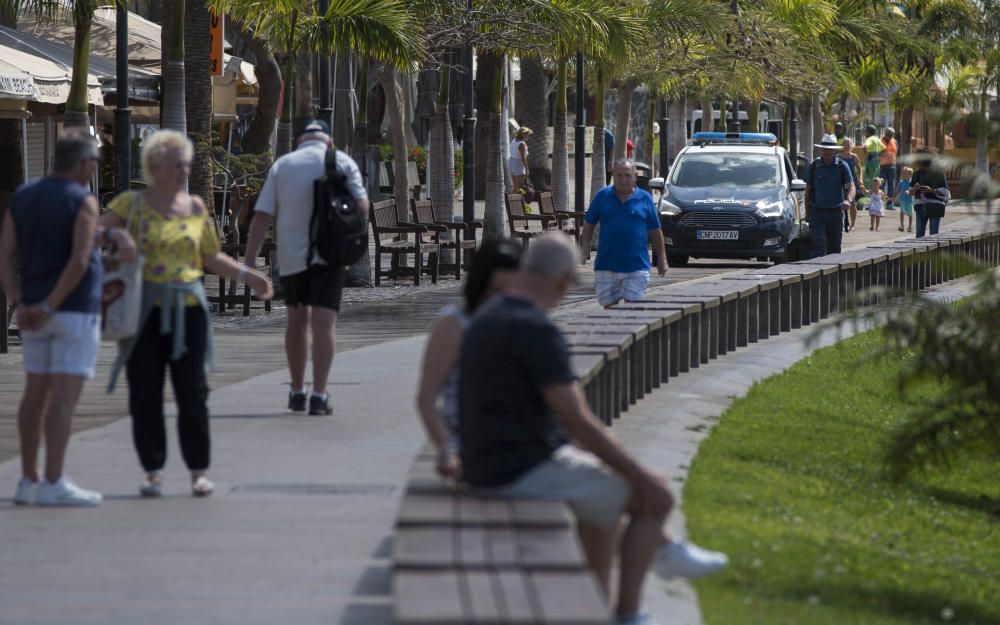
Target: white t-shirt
{"points": [[287, 196]]}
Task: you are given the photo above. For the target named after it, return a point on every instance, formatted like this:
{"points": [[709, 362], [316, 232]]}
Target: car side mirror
{"points": [[656, 183], [797, 185]]}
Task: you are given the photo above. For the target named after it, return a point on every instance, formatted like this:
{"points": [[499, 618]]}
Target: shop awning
{"points": [[143, 85], [47, 80]]}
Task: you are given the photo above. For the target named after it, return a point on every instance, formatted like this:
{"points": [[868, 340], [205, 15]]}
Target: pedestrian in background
{"points": [[517, 163], [49, 231], [929, 187], [873, 153], [876, 204], [492, 270], [629, 223], [312, 288], [904, 199], [829, 193], [887, 165], [178, 237], [854, 163]]}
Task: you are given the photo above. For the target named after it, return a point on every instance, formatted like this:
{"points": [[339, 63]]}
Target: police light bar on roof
{"points": [[765, 138]]}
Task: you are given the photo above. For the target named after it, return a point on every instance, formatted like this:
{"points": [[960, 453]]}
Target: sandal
{"points": [[152, 486], [201, 486]]}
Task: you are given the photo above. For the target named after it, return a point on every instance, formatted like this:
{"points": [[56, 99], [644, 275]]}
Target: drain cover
{"points": [[313, 490]]}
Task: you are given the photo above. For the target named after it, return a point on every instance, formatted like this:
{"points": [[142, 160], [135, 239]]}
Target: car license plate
{"points": [[704, 235]]}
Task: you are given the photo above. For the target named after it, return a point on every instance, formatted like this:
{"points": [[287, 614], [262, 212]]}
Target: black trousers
{"points": [[146, 370]]}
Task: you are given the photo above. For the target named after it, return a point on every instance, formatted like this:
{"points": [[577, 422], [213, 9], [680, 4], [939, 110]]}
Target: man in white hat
{"points": [[829, 192]]}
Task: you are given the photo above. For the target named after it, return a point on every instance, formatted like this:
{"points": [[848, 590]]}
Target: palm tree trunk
{"points": [[198, 91], [560, 156], [806, 130], [284, 144], [707, 115], [257, 138], [752, 106], [494, 216], [173, 111], [678, 130], [77, 104], [304, 110], [982, 134], [819, 127], [905, 130], [361, 271], [648, 154], [397, 118], [597, 165], [532, 105], [442, 159], [624, 115]]}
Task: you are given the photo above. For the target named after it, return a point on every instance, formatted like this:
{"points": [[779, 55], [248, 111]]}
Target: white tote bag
{"points": [[121, 298]]}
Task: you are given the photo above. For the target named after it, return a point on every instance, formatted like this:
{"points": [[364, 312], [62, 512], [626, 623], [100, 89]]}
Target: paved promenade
{"points": [[299, 530]]}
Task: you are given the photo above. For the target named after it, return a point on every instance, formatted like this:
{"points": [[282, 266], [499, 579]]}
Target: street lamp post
{"points": [[664, 138], [469, 147], [325, 108], [580, 156], [123, 114]]}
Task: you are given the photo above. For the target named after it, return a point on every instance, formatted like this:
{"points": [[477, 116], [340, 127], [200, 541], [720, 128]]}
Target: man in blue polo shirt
{"points": [[829, 192], [629, 222]]}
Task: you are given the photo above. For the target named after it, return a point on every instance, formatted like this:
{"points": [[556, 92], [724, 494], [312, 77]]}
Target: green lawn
{"points": [[789, 484]]}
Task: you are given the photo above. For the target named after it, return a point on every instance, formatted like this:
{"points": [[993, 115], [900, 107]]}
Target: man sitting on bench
{"points": [[520, 406]]}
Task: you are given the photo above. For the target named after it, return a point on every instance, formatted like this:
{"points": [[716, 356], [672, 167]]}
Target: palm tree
{"points": [[83, 15], [198, 106], [383, 30], [173, 111]]}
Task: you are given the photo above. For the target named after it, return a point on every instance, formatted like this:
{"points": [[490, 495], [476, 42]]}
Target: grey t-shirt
{"points": [[510, 352]]}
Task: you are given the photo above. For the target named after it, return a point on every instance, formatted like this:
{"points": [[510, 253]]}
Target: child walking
{"points": [[876, 203], [903, 199]]}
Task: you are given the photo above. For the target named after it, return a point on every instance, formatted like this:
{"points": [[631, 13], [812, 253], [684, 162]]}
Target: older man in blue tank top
{"points": [[51, 228]]}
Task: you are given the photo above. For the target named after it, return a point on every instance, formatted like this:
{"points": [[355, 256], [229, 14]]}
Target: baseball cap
{"points": [[315, 125]]}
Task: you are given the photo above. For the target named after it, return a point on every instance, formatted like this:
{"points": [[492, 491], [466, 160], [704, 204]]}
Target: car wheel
{"points": [[677, 260]]}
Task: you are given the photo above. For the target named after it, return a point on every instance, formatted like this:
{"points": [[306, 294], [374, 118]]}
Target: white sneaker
{"points": [[65, 493], [680, 558], [642, 618], [26, 493]]}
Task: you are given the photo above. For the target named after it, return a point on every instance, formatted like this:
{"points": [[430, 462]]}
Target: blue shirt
{"points": [[827, 183], [44, 214], [905, 199], [623, 245]]}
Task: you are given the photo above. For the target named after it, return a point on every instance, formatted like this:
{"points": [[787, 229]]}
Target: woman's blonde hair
{"points": [[161, 143], [523, 132]]}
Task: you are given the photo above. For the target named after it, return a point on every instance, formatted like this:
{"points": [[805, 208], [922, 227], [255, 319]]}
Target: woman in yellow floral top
{"points": [[177, 237]]}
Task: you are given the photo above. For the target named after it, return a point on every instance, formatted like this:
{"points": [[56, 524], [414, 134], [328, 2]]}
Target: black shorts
{"points": [[318, 285]]}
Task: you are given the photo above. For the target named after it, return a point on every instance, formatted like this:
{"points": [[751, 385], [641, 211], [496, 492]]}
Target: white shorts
{"points": [[67, 343], [595, 494], [612, 287]]}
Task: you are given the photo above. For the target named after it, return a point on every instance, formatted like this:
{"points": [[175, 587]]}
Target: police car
{"points": [[732, 195]]}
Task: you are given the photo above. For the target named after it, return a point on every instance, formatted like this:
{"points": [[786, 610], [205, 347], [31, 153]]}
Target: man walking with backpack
{"points": [[829, 192], [312, 286]]}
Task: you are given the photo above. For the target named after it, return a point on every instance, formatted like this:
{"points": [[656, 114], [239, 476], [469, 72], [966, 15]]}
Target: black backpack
{"points": [[338, 232]]}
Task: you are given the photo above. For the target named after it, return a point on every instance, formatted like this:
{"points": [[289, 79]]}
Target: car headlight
{"points": [[668, 209], [770, 209]]}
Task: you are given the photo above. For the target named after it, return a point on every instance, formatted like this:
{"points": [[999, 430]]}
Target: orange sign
{"points": [[215, 30]]}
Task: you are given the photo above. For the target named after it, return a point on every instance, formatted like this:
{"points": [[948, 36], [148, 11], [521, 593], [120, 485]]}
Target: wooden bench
{"points": [[423, 215], [520, 222], [228, 298], [570, 222], [390, 238], [460, 559]]}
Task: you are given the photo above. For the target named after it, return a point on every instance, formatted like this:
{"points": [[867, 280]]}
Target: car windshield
{"points": [[726, 170]]}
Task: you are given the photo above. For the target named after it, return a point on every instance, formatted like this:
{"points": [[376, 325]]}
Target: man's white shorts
{"points": [[595, 494], [67, 343], [612, 287]]}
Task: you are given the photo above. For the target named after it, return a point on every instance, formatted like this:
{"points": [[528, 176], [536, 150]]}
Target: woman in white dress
{"points": [[518, 161]]}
